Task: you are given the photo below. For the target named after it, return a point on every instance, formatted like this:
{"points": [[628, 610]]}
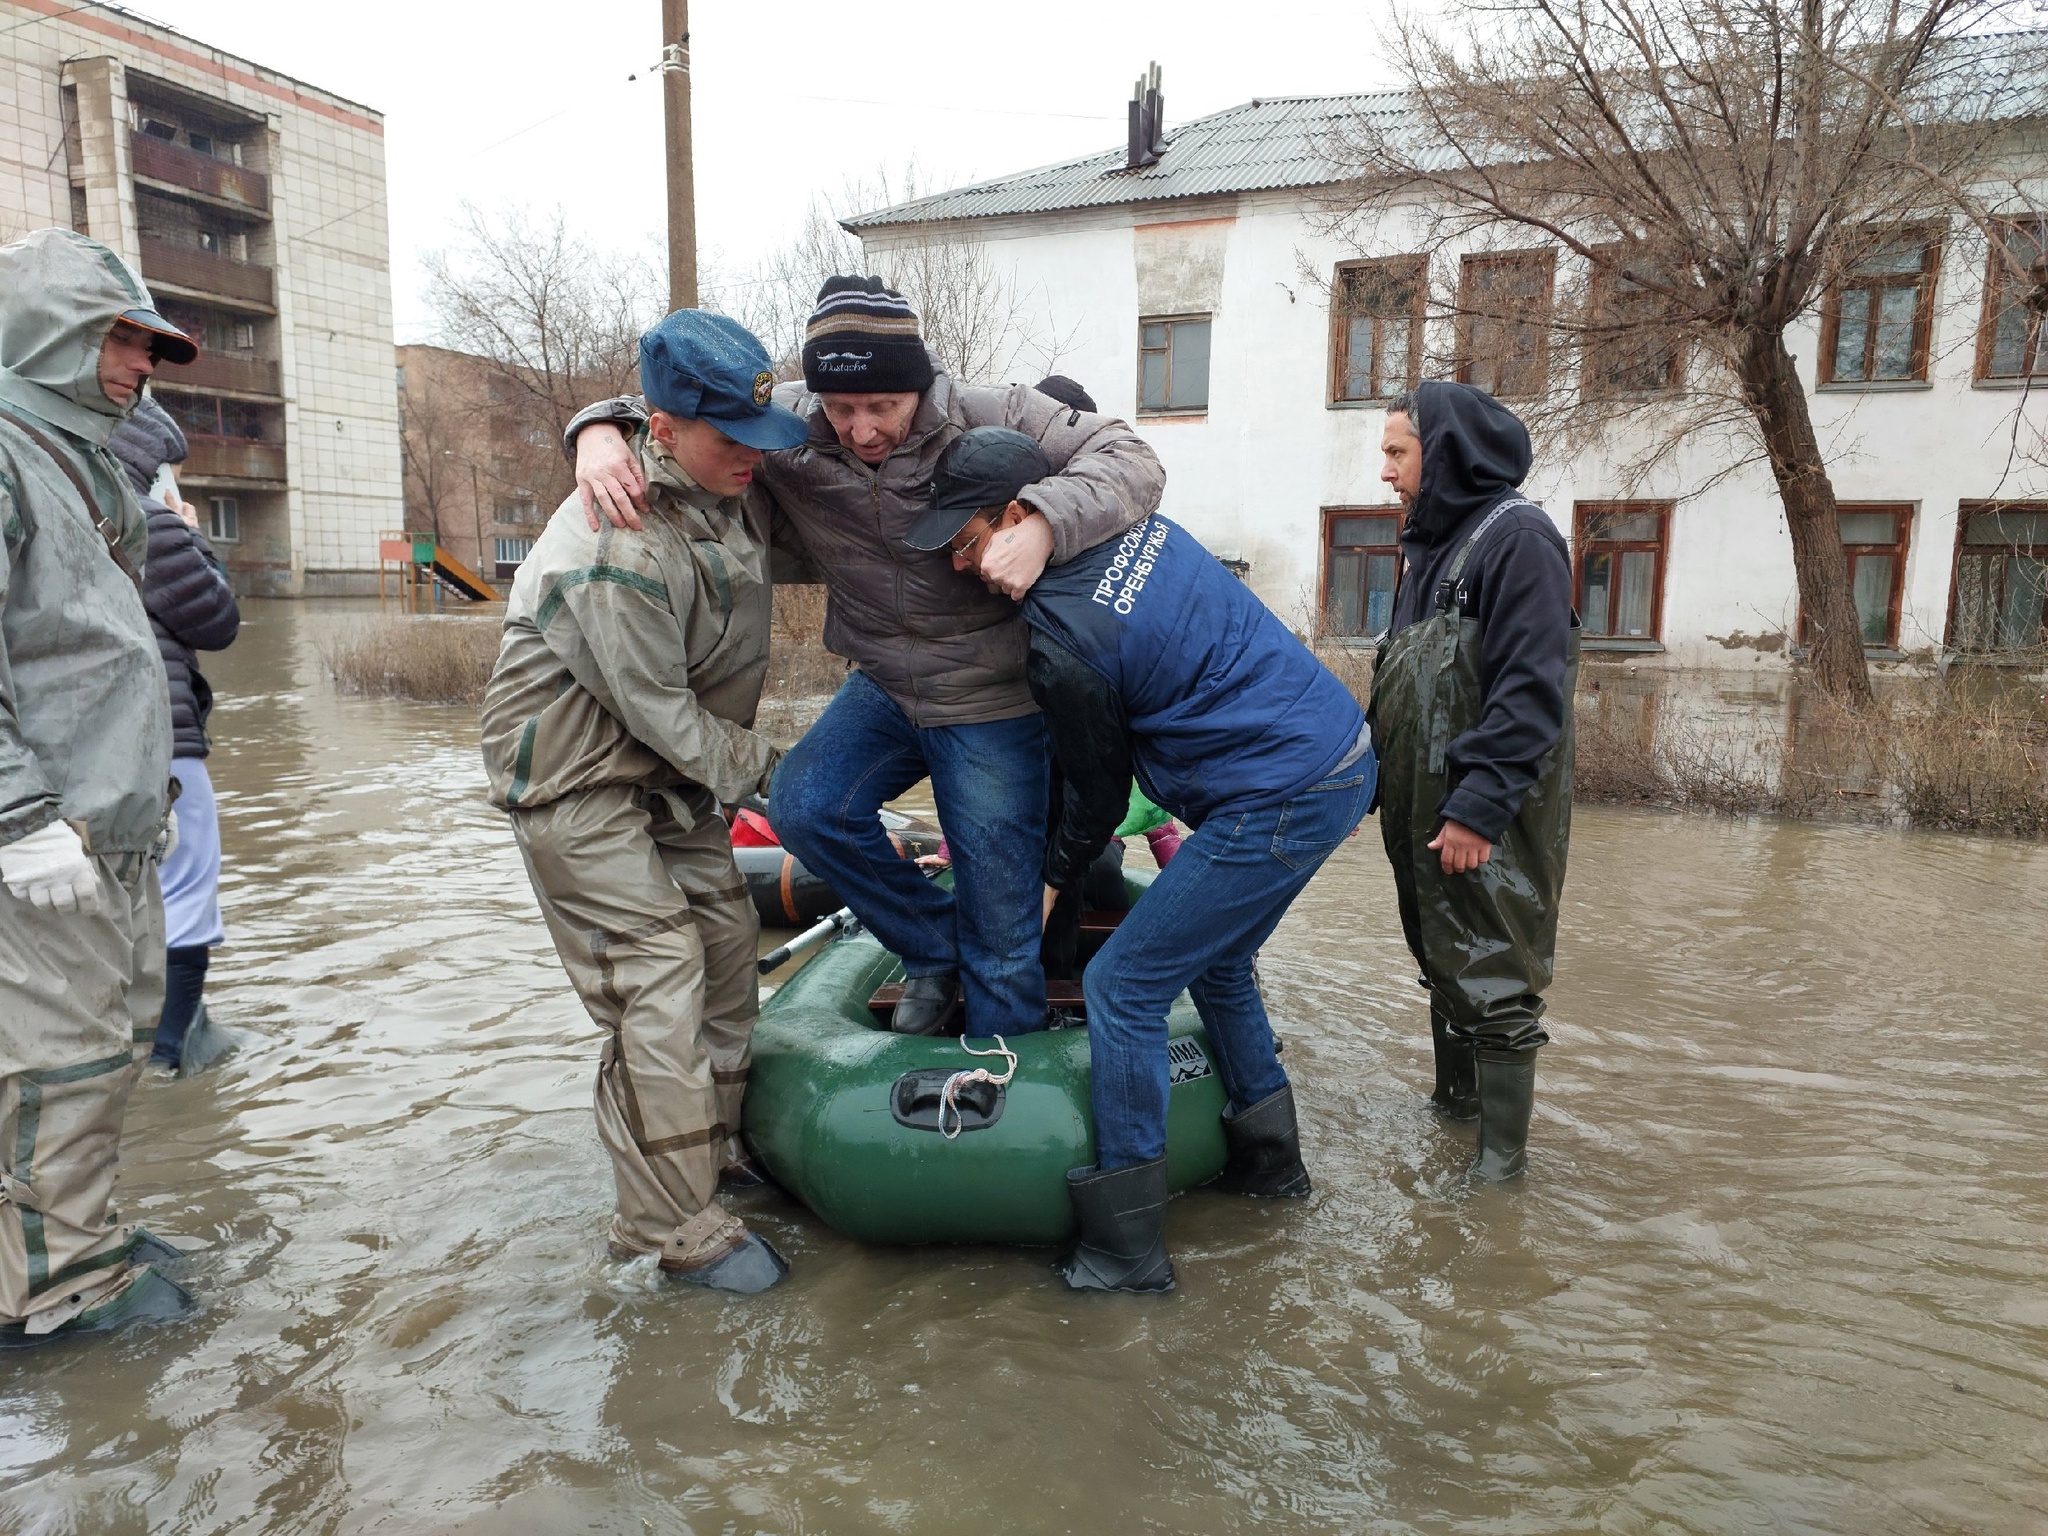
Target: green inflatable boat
{"points": [[846, 1116]]}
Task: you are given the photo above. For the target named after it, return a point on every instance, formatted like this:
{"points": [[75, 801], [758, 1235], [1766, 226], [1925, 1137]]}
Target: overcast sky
{"points": [[518, 101]]}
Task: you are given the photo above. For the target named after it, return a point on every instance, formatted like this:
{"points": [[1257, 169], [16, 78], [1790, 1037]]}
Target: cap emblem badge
{"points": [[764, 386]]}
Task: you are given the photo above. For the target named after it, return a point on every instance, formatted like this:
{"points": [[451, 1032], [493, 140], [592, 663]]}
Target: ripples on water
{"points": [[1778, 1267]]}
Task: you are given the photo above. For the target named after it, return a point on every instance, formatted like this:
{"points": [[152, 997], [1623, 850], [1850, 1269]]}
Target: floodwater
{"points": [[1779, 1265]]}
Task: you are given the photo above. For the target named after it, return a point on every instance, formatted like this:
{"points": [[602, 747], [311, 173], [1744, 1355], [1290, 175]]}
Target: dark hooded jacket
{"points": [[1517, 585], [184, 587]]}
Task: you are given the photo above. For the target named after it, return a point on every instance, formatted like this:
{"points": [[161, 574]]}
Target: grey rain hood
{"points": [[60, 293], [85, 716]]}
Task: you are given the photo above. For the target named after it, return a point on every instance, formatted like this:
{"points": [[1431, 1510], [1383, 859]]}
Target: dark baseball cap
{"points": [[982, 467], [707, 367], [167, 342]]}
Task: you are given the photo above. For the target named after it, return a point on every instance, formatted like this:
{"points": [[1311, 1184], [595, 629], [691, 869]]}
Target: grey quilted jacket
{"points": [[944, 647]]}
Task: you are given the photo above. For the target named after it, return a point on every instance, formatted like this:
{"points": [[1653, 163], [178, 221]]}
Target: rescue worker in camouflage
{"points": [[618, 720], [1471, 713], [85, 753]]}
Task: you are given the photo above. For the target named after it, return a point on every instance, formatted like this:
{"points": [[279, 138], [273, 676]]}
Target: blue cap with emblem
{"points": [[709, 367]]}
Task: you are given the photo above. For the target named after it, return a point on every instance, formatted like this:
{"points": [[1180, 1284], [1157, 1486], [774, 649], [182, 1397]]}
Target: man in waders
{"points": [[1146, 655], [1471, 714], [617, 721], [85, 756]]}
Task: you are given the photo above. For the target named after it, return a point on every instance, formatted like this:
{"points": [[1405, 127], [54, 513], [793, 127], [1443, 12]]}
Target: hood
{"points": [[1474, 451], [60, 293], [146, 442]]}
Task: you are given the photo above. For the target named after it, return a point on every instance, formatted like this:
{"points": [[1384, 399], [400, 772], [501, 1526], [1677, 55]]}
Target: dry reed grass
{"points": [[431, 659]]}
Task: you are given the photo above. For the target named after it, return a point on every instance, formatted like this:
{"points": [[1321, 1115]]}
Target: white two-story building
{"points": [[1194, 296]]}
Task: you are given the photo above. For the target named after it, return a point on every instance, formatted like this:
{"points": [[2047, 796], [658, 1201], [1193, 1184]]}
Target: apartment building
{"points": [[254, 206], [1192, 288]]}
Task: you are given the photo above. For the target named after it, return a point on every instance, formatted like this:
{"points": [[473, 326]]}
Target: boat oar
{"points": [[843, 918]]}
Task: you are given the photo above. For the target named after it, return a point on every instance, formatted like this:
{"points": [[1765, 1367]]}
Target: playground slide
{"points": [[462, 578]]}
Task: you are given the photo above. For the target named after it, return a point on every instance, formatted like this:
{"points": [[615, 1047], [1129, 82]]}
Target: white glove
{"points": [[170, 837], [49, 869]]}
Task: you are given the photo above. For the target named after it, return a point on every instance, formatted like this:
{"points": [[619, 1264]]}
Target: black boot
{"points": [[1457, 1094], [928, 1004], [1122, 1215], [1507, 1095], [1265, 1151]]}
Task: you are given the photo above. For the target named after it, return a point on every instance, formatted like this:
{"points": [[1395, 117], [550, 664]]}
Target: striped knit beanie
{"points": [[863, 340]]}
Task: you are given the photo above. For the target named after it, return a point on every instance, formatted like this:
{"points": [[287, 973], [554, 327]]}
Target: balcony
{"points": [[231, 458], [173, 165], [223, 370], [203, 273]]}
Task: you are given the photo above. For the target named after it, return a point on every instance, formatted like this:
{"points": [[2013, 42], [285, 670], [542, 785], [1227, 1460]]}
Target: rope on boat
{"points": [[968, 1075]]}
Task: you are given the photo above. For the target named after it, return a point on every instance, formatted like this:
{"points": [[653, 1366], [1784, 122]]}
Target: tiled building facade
{"points": [[254, 206]]}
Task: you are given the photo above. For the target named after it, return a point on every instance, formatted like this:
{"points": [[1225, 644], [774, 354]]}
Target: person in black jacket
{"points": [[192, 608], [1471, 713]]}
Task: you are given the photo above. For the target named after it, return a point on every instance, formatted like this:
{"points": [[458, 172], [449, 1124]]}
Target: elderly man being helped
{"points": [[618, 720], [1146, 655]]}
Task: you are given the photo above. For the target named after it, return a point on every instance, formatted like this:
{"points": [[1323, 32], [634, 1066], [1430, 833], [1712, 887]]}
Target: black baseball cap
{"points": [[982, 467]]}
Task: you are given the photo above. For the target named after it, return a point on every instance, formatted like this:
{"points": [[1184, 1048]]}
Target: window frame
{"points": [[1468, 359], [1660, 548], [1417, 272], [1923, 313], [1995, 279], [503, 569], [1905, 512], [1965, 511], [1162, 412], [213, 519], [1331, 515], [1601, 283]]}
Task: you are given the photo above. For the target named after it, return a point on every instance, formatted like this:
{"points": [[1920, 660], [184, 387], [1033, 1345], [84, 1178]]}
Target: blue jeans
{"points": [[1199, 928], [990, 782]]}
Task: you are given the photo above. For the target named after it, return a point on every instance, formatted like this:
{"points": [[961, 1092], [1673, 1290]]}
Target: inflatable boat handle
{"points": [[843, 918]]}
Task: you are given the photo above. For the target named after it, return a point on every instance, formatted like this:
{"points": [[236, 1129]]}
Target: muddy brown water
{"points": [[1779, 1265]]}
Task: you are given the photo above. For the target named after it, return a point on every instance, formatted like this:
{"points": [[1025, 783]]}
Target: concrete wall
{"points": [[1251, 477]]}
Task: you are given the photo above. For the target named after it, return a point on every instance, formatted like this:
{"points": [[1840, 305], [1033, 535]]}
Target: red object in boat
{"points": [[750, 829]]}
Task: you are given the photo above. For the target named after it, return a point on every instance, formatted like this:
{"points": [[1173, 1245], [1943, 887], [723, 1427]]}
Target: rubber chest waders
{"points": [[1485, 940]]}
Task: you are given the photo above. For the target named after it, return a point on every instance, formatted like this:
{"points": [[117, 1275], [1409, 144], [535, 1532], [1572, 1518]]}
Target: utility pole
{"points": [[682, 177]]}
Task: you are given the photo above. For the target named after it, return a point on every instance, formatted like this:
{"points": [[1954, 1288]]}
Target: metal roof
{"points": [[1250, 148], [1281, 141]]}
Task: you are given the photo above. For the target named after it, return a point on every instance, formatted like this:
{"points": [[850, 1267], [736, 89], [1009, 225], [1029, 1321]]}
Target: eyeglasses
{"points": [[966, 551]]}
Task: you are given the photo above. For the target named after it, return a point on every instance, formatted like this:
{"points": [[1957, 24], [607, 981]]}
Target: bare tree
{"points": [[975, 316], [437, 441], [1702, 173]]}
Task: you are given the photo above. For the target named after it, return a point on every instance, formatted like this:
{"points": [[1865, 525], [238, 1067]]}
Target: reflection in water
{"points": [[1778, 1267]]}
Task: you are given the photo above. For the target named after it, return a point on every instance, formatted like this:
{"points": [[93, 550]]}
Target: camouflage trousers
{"points": [[79, 1000], [653, 924]]}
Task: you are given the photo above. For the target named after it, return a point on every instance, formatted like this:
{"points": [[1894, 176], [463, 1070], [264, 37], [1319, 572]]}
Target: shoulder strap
{"points": [[92, 506], [1449, 589]]}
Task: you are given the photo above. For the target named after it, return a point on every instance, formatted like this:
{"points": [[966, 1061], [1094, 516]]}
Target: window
{"points": [[156, 128], [1361, 558], [1874, 544], [1618, 555], [203, 142], [1630, 348], [510, 553], [245, 336], [1376, 327], [223, 519], [213, 417], [1173, 364], [209, 241], [1504, 323], [2001, 581], [1875, 325], [2009, 345], [515, 511]]}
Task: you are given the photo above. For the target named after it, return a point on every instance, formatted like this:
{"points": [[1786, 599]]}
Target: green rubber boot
{"points": [[1507, 1096]]}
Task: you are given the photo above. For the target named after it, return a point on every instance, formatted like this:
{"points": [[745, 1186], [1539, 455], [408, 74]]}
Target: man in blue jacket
{"points": [[1148, 657]]}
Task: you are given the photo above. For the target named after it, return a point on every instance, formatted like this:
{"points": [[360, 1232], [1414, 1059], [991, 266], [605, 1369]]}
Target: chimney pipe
{"points": [[1146, 140]]}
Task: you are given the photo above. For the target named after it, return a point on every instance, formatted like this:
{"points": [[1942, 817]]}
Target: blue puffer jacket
{"points": [[1225, 708]]}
